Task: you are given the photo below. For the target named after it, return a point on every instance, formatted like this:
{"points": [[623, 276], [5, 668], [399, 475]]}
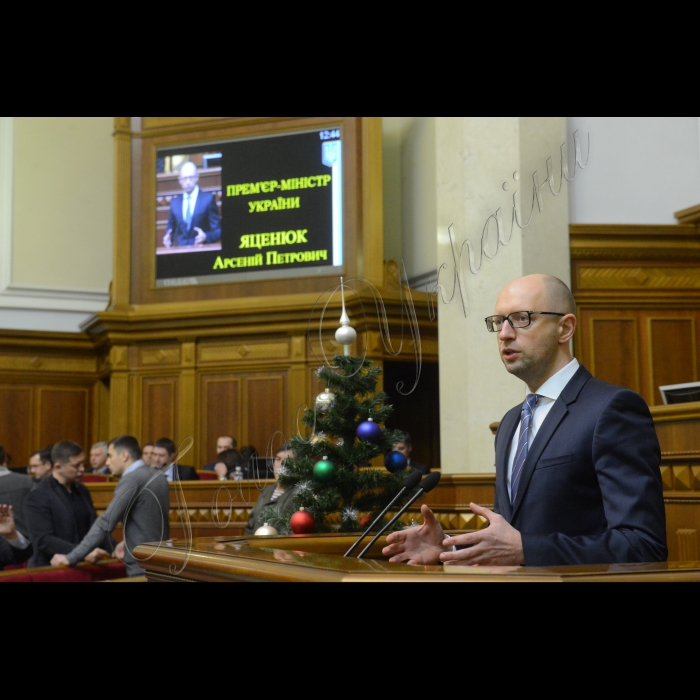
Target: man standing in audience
{"points": [[273, 496], [406, 448], [14, 489], [98, 459], [141, 502], [59, 511], [223, 444], [15, 548], [164, 456], [40, 465], [147, 455]]}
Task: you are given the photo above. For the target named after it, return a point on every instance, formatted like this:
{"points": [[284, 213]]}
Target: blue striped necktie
{"points": [[521, 456]]}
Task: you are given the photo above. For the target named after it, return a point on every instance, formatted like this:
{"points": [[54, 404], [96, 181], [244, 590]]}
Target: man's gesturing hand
{"points": [[201, 236], [498, 545], [420, 546], [96, 555], [59, 560], [7, 523], [168, 239]]}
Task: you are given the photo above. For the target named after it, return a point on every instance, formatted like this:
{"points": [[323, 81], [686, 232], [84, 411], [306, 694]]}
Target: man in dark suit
{"points": [[164, 456], [59, 511], [194, 215], [577, 465], [406, 448]]}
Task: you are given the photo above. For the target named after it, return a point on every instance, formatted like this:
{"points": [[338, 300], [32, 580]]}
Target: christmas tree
{"points": [[332, 487]]}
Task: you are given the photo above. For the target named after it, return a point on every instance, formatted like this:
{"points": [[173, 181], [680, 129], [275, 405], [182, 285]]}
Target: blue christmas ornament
{"points": [[369, 432], [396, 462]]}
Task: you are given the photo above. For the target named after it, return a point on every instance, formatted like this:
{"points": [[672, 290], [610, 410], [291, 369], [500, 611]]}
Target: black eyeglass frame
{"points": [[512, 325]]}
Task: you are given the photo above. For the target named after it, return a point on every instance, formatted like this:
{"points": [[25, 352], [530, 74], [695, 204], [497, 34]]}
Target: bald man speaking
{"points": [[194, 215], [577, 465]]}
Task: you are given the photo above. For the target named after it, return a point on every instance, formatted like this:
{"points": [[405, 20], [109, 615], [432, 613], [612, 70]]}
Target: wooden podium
{"points": [[319, 559]]}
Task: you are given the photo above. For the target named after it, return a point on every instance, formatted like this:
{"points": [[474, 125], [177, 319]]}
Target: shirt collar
{"points": [[4, 471], [134, 467], [552, 389]]}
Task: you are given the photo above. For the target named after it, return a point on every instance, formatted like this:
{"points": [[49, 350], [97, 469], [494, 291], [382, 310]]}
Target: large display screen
{"points": [[266, 207]]}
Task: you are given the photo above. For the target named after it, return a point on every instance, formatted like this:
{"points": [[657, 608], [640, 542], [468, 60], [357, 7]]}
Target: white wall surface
{"points": [[642, 169], [56, 220]]}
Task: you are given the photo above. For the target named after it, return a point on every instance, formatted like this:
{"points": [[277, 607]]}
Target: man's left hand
{"points": [[7, 523], [59, 560], [201, 237], [498, 545]]}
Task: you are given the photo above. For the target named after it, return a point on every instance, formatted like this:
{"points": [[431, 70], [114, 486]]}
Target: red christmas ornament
{"points": [[366, 521], [303, 523]]}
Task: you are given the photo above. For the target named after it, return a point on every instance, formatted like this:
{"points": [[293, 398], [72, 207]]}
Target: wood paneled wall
{"points": [[48, 388], [638, 295]]}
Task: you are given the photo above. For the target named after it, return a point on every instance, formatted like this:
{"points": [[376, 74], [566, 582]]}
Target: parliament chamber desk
{"points": [[319, 559]]}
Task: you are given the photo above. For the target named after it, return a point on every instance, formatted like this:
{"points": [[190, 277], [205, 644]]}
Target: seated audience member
{"points": [[223, 444], [147, 454], [274, 495], [226, 466], [14, 489], [141, 502], [98, 460], [164, 456], [15, 548], [406, 447], [59, 511], [40, 465]]}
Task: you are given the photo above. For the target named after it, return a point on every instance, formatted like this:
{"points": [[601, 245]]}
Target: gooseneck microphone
{"points": [[411, 482], [430, 482]]}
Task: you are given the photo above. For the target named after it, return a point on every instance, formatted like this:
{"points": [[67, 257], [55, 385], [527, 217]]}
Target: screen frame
{"points": [[362, 206]]}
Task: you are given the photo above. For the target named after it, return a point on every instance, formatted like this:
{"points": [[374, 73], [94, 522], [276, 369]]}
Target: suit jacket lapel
{"points": [[198, 208], [506, 434]]}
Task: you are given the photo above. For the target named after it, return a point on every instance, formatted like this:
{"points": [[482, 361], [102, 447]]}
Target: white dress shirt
{"points": [[170, 472], [186, 202], [549, 392]]}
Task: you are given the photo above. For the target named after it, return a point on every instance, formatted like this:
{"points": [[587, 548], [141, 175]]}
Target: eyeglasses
{"points": [[518, 319]]}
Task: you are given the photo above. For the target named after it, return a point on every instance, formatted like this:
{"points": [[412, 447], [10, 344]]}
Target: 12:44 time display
{"points": [[330, 135]]}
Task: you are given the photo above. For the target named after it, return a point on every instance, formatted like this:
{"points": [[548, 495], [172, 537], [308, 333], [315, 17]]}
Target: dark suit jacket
{"points": [[422, 468], [283, 503], [591, 490], [206, 216], [9, 556], [187, 473], [52, 526]]}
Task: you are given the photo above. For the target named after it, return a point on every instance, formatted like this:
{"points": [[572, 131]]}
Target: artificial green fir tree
{"points": [[330, 484]]}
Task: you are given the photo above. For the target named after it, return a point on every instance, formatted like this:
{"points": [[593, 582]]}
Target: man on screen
{"points": [[194, 215]]}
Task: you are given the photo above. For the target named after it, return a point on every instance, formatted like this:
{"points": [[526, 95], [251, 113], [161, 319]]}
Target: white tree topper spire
{"points": [[345, 335]]}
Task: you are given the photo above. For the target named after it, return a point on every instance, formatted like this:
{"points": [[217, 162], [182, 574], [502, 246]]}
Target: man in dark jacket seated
{"points": [[164, 460], [15, 548]]}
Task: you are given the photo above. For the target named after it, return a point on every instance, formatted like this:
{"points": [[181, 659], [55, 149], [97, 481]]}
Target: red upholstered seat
{"points": [[85, 573], [95, 479], [208, 476]]}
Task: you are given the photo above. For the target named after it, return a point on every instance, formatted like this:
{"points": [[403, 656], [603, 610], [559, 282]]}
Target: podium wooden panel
{"points": [[311, 559]]}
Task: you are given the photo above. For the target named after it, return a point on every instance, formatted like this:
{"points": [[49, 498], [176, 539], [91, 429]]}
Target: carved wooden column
{"points": [[119, 409], [121, 279]]}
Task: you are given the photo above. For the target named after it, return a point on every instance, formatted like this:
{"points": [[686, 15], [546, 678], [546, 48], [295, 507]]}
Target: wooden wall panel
{"points": [[614, 356], [265, 410], [64, 415], [160, 409], [221, 413], [673, 353], [16, 430]]}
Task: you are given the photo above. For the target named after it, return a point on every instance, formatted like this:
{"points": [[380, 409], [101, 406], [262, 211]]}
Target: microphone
{"points": [[411, 482], [430, 482]]}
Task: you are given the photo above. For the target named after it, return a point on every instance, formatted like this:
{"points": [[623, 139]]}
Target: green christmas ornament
{"points": [[324, 471]]}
